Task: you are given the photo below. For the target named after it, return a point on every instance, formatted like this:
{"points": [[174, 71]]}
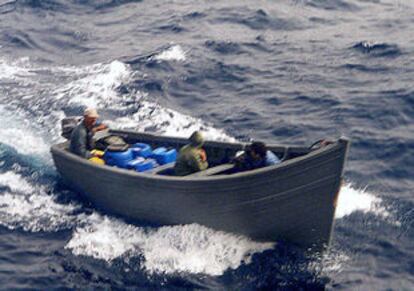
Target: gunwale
{"points": [[61, 150]]}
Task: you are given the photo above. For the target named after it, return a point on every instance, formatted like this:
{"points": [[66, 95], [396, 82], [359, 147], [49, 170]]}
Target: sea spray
{"points": [[352, 200], [170, 249]]}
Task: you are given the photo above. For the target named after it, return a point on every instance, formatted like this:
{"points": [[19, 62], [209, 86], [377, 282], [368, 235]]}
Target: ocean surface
{"points": [[288, 72]]}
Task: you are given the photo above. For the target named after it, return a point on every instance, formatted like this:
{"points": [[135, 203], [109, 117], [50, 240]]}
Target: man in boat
{"points": [[255, 156], [192, 157], [81, 142]]}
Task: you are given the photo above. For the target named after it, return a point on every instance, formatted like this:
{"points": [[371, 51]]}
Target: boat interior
{"points": [[219, 154]]}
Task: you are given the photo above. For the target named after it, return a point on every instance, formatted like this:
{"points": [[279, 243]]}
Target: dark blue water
{"points": [[289, 72]]}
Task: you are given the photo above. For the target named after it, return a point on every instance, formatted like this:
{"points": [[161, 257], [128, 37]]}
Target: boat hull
{"points": [[293, 201]]}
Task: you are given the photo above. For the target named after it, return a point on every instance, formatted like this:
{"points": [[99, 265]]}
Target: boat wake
{"points": [[99, 85], [170, 249], [22, 135], [155, 118], [28, 206]]}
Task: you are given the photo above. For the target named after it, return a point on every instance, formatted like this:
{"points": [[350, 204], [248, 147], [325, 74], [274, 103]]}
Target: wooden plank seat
{"points": [[161, 169], [213, 171]]}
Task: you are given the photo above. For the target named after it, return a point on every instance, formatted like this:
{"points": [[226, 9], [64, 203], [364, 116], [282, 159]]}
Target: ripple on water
{"points": [[378, 49]]}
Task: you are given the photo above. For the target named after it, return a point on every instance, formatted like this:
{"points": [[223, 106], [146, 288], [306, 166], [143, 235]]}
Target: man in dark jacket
{"points": [[81, 142], [192, 158], [255, 156]]}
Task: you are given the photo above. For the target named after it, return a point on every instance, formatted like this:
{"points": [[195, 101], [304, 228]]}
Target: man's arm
{"points": [[79, 144], [197, 163], [99, 127]]}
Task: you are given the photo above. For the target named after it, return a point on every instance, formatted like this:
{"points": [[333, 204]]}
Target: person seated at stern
{"points": [[81, 142], [192, 157], [255, 156]]}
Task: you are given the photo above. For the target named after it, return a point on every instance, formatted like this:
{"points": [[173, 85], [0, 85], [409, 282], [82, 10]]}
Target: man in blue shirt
{"points": [[255, 156]]}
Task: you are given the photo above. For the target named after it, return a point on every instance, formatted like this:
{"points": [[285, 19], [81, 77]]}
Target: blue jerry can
{"points": [[164, 156], [141, 150]]}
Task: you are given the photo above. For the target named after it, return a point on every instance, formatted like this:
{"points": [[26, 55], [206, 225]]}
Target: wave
{"points": [[95, 86], [219, 71], [377, 49], [337, 5], [367, 68], [106, 4], [163, 58], [7, 6], [194, 15], [65, 6], [19, 40], [172, 28], [259, 44], [173, 53], [256, 20], [224, 47], [45, 4]]}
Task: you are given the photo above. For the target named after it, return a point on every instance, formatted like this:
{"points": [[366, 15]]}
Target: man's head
{"points": [[196, 139], [90, 116], [257, 150]]}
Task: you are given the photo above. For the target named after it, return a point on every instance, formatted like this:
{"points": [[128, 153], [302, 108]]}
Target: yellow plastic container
{"points": [[97, 153], [97, 160]]}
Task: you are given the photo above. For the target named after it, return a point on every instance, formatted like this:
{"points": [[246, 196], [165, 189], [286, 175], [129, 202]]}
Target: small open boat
{"points": [[294, 200]]}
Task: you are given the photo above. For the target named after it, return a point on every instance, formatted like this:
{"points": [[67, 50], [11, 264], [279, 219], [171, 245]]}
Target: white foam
{"points": [[55, 118], [15, 182], [20, 134], [95, 85], [154, 117], [351, 200], [334, 262], [197, 249], [17, 69], [28, 206], [104, 238], [174, 53], [64, 86], [329, 263], [369, 44], [170, 249]]}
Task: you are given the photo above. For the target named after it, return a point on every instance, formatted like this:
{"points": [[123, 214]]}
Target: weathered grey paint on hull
{"points": [[293, 201]]}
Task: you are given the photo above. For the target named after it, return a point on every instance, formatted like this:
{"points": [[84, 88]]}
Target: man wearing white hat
{"points": [[81, 142]]}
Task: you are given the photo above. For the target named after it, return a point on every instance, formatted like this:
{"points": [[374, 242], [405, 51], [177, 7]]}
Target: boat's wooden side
{"points": [[292, 201]]}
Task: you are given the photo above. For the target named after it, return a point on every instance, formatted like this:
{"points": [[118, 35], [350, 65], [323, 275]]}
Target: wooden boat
{"points": [[292, 201]]}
